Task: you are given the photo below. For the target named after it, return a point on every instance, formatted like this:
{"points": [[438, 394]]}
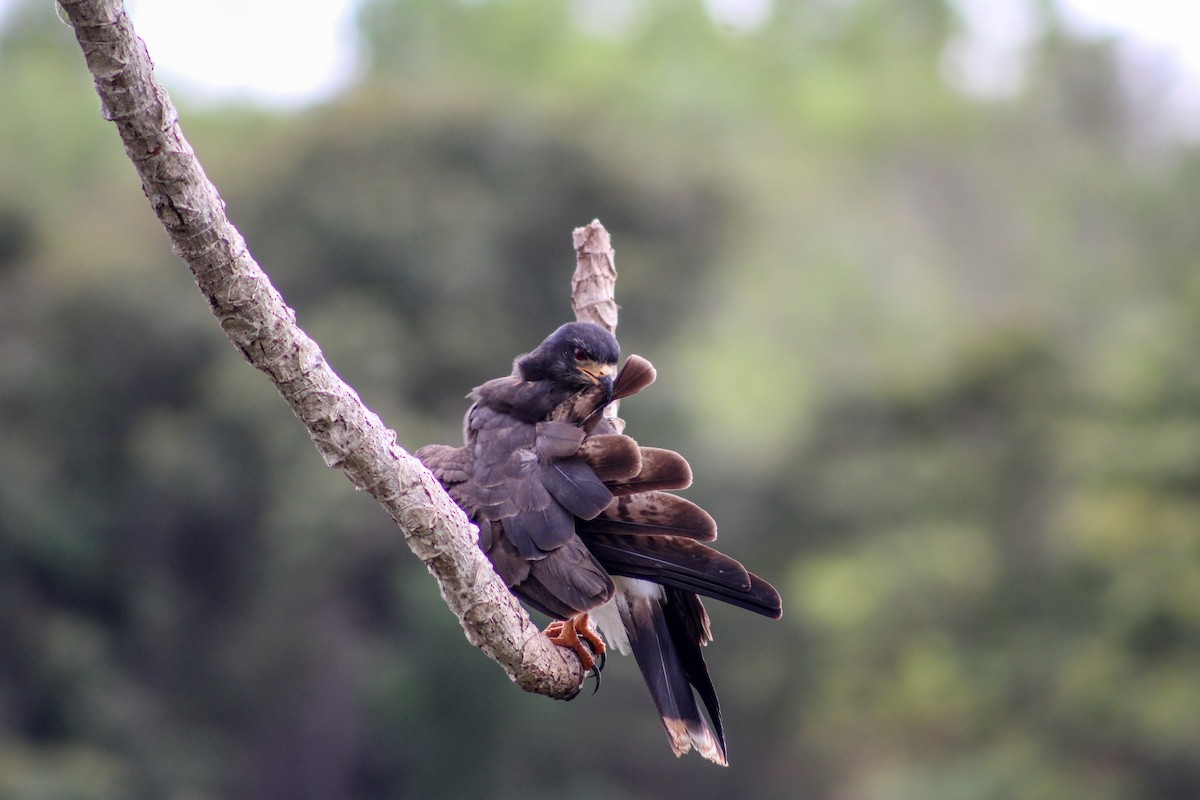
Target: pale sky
{"points": [[273, 58], [268, 56]]}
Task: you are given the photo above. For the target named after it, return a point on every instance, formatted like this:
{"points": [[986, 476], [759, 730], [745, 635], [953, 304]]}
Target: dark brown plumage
{"points": [[578, 519]]}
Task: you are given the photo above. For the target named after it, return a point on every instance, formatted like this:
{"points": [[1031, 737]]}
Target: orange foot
{"points": [[572, 633]]}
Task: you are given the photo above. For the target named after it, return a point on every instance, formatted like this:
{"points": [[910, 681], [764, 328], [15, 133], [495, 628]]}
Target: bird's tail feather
{"points": [[671, 664]]}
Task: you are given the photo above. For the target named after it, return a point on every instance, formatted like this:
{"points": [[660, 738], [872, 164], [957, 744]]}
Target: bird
{"points": [[582, 524]]}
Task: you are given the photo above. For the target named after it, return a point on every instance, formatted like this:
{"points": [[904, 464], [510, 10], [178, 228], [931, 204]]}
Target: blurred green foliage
{"points": [[932, 357]]}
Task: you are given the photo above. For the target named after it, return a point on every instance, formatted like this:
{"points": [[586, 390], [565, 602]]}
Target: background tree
{"points": [[929, 353]]}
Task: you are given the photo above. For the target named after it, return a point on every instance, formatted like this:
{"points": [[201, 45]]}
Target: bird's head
{"points": [[577, 355]]}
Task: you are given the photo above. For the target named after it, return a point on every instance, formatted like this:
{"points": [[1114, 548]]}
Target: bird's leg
{"points": [[572, 634]]}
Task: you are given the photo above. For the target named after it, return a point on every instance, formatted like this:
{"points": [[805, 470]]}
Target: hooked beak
{"points": [[606, 383], [600, 375], [597, 373]]}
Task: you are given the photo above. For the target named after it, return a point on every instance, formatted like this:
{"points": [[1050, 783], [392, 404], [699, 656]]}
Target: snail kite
{"points": [[579, 521]]}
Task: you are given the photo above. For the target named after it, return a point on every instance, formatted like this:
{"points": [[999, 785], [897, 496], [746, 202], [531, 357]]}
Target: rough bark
{"points": [[593, 286], [263, 328]]}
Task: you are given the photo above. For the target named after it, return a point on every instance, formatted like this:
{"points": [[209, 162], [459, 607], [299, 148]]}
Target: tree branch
{"points": [[593, 286], [263, 328]]}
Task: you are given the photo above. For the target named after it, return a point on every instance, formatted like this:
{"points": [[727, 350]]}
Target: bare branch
{"points": [[263, 328], [593, 286]]}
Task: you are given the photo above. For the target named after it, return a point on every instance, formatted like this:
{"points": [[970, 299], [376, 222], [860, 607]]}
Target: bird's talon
{"points": [[576, 635], [595, 673]]}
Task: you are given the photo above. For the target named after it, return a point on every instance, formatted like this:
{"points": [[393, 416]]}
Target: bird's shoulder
{"points": [[527, 401]]}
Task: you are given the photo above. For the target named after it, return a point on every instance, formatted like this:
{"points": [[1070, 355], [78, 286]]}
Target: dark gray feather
{"points": [[575, 486], [659, 656]]}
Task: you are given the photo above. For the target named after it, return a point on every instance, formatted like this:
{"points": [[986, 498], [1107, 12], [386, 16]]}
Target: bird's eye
{"points": [[580, 354]]}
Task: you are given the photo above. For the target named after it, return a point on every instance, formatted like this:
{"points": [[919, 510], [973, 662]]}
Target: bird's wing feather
{"points": [[685, 564], [613, 457], [575, 486], [450, 465], [636, 374], [507, 482], [663, 470], [538, 532], [556, 439], [654, 513], [570, 582]]}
